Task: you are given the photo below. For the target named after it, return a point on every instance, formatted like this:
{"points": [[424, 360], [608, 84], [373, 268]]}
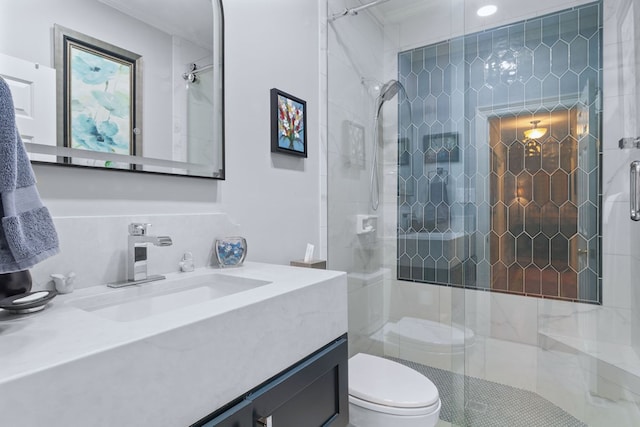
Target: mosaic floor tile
{"points": [[490, 404]]}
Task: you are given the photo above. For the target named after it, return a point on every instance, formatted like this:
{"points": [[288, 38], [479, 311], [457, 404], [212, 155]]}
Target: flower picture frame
{"points": [[288, 124], [99, 95]]}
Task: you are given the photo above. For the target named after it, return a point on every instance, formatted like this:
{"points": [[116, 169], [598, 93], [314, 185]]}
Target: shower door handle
{"points": [[629, 142], [634, 190]]}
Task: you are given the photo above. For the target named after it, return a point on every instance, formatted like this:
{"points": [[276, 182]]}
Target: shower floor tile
{"points": [[489, 404]]}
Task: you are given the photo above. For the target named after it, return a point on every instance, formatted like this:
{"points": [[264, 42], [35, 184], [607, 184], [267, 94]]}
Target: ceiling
{"points": [[395, 11], [389, 12], [189, 19]]}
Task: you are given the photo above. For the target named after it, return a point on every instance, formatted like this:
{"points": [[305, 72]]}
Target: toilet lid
{"points": [[389, 383]]}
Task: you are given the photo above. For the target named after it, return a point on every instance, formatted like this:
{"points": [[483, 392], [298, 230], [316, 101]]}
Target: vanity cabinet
{"points": [[311, 393]]}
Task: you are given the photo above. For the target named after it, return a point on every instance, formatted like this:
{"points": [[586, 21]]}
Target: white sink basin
{"points": [[140, 301]]}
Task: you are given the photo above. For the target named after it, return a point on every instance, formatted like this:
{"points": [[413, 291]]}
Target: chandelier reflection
{"points": [[501, 66], [535, 132]]}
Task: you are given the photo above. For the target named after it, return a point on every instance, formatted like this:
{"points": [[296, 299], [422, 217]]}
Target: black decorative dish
{"points": [[18, 282], [28, 302]]}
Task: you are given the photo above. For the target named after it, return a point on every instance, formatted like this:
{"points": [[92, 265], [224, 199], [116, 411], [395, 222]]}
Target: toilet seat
{"points": [[385, 386], [403, 412]]}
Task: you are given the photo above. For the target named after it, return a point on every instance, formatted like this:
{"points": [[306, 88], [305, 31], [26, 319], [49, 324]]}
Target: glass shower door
{"points": [[200, 125], [536, 263]]}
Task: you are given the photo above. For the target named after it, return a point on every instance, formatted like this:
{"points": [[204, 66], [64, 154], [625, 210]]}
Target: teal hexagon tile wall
{"points": [[478, 198]]}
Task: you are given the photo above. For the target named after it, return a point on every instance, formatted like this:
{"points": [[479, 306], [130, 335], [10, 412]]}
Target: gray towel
{"points": [[27, 235]]}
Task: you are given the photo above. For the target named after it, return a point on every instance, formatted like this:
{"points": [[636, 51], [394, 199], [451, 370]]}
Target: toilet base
{"points": [[361, 417]]}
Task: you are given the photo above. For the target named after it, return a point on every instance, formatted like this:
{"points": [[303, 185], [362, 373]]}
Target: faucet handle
{"points": [[139, 228]]}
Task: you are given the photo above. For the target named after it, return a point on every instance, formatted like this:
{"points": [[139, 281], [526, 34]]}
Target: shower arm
{"points": [[194, 71], [354, 10]]}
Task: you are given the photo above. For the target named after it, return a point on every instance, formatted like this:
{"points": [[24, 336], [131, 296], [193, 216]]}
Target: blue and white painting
{"points": [[101, 101]]}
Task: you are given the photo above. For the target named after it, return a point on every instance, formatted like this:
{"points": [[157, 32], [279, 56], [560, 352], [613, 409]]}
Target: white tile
{"points": [[478, 313], [615, 175], [514, 318], [618, 227], [415, 300], [617, 279], [513, 364], [358, 316]]}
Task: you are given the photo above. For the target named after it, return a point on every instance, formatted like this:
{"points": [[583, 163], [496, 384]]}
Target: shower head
{"points": [[387, 92]]}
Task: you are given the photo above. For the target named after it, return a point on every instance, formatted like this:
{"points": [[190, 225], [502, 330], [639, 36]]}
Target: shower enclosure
{"points": [[200, 109], [479, 197]]}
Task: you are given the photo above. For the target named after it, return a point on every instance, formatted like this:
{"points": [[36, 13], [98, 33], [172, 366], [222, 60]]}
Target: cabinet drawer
{"points": [[312, 393]]}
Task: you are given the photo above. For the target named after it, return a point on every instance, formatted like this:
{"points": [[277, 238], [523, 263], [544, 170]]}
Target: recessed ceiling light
{"points": [[487, 10]]}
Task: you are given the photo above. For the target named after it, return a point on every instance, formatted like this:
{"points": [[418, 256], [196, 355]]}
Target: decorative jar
{"points": [[230, 251]]}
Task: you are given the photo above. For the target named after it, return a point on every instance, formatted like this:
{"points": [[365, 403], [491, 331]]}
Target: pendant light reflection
{"points": [[531, 146], [535, 132]]}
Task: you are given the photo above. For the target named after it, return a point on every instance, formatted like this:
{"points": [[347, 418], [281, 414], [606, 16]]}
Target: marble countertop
{"points": [[167, 369]]}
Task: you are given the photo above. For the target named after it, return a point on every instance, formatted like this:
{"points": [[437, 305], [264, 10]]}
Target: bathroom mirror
{"points": [[132, 85]]}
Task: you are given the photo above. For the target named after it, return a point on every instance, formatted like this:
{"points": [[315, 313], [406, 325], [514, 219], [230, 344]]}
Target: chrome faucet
{"points": [[137, 255]]}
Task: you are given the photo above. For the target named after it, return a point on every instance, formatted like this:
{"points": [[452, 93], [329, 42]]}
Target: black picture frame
{"points": [[441, 147], [288, 124]]}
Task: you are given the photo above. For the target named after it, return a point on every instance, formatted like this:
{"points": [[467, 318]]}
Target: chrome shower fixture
{"points": [[192, 73], [373, 86], [387, 92], [354, 10]]}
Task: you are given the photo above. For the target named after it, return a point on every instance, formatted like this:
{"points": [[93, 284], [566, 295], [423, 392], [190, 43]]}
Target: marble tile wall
{"points": [[618, 232], [354, 79], [507, 327]]}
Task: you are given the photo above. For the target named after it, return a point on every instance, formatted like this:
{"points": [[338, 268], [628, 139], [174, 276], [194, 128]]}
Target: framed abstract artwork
{"points": [[100, 85], [288, 124]]}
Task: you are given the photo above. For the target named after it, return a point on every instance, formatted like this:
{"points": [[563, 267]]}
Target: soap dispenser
{"points": [[186, 265], [64, 284]]}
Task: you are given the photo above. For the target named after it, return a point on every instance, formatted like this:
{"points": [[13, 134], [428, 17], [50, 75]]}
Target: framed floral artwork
{"points": [[99, 85], [288, 124]]}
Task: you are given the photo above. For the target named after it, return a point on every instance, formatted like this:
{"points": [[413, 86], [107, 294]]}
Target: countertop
{"points": [[168, 369]]}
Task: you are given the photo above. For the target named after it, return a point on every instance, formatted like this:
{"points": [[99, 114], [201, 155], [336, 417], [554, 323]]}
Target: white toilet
{"points": [[383, 393]]}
